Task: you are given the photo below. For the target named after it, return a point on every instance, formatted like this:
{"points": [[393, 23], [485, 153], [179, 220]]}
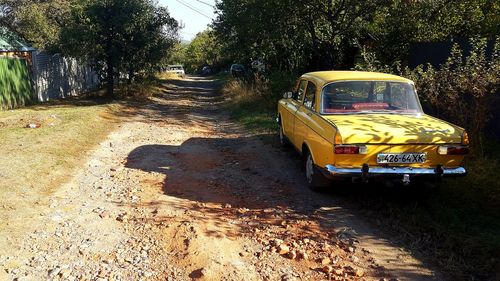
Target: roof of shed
{"points": [[12, 42]]}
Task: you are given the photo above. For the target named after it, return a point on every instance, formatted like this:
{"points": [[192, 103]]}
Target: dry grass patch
{"points": [[167, 76], [35, 162], [38, 160], [253, 100]]}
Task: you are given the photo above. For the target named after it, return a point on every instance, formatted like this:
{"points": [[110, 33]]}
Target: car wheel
{"points": [[315, 179]]}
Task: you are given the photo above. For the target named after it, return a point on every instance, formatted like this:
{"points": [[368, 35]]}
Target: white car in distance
{"points": [[176, 69]]}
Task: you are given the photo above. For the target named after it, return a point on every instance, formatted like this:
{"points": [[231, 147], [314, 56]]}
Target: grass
{"points": [[34, 163], [254, 116], [249, 108], [467, 219], [457, 227], [142, 89], [221, 76], [41, 159], [167, 76]]}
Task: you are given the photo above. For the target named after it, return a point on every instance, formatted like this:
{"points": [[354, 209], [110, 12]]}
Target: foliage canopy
{"points": [[326, 34], [117, 36]]}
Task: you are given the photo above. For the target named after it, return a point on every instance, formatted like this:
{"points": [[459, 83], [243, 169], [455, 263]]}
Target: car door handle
{"points": [[309, 114]]}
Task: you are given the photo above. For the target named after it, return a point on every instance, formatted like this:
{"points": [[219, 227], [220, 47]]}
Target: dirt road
{"points": [[179, 192]]}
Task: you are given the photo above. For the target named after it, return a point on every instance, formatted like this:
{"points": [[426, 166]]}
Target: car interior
{"points": [[347, 97]]}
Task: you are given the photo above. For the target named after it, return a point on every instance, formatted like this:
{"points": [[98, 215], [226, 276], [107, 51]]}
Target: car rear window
{"points": [[369, 96]]}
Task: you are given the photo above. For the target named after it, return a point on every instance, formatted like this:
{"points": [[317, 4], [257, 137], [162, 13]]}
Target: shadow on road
{"points": [[250, 186]]}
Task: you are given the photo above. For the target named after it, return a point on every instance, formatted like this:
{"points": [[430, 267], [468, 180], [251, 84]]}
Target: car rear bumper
{"points": [[366, 171]]}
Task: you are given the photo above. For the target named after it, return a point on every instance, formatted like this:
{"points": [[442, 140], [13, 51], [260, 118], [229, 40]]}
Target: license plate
{"points": [[401, 158]]}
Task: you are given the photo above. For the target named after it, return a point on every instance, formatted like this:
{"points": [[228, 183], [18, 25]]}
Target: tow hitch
{"points": [[406, 179], [365, 172]]}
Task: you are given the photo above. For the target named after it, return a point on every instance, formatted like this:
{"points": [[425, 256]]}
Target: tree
{"points": [[295, 35], [119, 35], [405, 21], [203, 50], [178, 54], [148, 42], [38, 21], [268, 30], [326, 34]]}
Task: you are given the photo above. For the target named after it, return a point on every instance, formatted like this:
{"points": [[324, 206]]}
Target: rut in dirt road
{"points": [[179, 192]]}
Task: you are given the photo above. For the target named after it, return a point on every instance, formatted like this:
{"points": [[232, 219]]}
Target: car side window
{"points": [[301, 90], [310, 95]]}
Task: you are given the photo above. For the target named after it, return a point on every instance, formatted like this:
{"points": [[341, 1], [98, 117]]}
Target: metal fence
{"points": [[15, 86], [436, 53], [56, 77]]}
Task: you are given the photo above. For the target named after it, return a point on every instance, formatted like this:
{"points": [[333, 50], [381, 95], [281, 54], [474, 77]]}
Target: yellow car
{"points": [[367, 125]]}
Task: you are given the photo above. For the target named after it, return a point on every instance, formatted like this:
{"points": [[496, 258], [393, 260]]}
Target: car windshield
{"points": [[176, 67], [368, 97]]}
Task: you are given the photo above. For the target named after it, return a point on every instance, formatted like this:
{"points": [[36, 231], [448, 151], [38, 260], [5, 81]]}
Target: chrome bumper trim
{"points": [[460, 171]]}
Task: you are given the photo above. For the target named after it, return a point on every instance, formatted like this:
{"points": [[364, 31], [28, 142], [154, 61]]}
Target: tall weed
{"points": [[254, 98], [266, 90], [141, 89]]}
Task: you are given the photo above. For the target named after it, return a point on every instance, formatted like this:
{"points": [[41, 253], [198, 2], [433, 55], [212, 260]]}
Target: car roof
{"points": [[323, 77]]}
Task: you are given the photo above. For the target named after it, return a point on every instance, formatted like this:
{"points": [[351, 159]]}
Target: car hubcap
{"points": [[309, 168]]}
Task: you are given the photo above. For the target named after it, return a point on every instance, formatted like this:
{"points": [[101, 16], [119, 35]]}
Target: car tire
{"points": [[315, 178]]}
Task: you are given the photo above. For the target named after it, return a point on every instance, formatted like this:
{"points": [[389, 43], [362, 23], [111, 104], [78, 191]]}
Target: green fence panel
{"points": [[15, 83]]}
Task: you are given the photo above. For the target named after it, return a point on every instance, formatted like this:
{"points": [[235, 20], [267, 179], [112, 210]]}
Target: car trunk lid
{"points": [[394, 129]]}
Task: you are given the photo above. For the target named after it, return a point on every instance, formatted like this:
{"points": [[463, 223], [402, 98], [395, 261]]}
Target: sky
{"points": [[193, 21]]}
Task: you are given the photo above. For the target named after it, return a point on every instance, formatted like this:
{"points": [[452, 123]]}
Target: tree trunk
{"points": [[110, 65], [130, 76], [314, 65], [110, 78], [110, 61]]}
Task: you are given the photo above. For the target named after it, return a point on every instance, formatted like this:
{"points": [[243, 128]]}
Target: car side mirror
{"points": [[288, 95]]}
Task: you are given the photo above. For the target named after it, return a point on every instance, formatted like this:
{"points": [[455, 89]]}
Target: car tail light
{"points": [[465, 138], [350, 149], [338, 138], [453, 150]]}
